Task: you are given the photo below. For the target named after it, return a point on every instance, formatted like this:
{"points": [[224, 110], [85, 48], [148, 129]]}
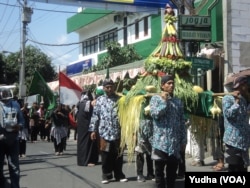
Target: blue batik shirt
{"points": [[11, 115], [236, 123], [104, 119], [169, 130]]}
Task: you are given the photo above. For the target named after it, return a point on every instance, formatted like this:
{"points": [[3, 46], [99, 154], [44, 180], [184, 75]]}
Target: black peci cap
{"points": [[166, 78], [107, 82]]}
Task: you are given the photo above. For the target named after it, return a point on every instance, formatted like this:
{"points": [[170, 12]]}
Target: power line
{"points": [[57, 56], [74, 43], [68, 44], [38, 46], [59, 11], [17, 21], [32, 39], [7, 21], [69, 12], [65, 53], [6, 4], [3, 13], [8, 32]]}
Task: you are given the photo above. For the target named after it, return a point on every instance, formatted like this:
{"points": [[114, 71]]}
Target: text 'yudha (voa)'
{"points": [[217, 179]]}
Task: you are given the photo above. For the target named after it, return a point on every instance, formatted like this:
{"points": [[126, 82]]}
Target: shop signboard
{"points": [[201, 63], [107, 3], [195, 28], [78, 67], [149, 3], [195, 35], [195, 21]]}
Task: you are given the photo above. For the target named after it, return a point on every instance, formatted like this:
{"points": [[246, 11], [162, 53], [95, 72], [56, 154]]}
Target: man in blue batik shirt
{"points": [[236, 123], [105, 122], [11, 121], [169, 133]]}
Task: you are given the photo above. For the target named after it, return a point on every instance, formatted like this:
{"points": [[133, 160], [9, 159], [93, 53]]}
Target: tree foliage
{"points": [[35, 59], [2, 70], [116, 55]]}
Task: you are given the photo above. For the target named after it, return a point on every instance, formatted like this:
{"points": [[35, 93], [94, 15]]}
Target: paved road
{"points": [[42, 169]]}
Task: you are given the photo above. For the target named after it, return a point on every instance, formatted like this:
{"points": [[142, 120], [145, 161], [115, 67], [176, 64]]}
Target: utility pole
{"points": [[26, 18]]}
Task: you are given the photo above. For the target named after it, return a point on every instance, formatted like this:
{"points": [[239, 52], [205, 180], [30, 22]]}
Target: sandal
{"points": [[218, 168], [218, 165], [91, 164], [214, 167]]}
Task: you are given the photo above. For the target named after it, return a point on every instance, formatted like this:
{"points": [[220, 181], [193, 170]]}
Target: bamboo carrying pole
{"points": [[151, 94], [231, 93], [214, 94], [222, 94]]}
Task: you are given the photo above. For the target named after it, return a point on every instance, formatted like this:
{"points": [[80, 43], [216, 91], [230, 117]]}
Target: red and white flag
{"points": [[70, 92]]}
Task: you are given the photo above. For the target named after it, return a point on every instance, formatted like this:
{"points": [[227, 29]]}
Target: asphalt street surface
{"points": [[41, 168]]}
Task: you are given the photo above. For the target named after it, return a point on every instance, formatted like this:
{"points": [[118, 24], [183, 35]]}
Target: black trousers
{"points": [[59, 147], [140, 163], [165, 172], [47, 133], [182, 164], [42, 129], [234, 159], [112, 162], [22, 147], [33, 133]]}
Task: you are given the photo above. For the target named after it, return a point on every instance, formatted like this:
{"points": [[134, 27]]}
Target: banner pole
{"points": [[59, 92]]}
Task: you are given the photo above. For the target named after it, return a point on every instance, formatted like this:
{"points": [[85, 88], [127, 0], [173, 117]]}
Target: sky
{"points": [[48, 28]]}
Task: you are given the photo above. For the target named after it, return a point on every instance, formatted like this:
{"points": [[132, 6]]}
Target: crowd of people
{"points": [[20, 123], [161, 138]]}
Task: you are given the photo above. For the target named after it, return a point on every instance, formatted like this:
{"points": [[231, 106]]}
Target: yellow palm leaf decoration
{"points": [[129, 117]]}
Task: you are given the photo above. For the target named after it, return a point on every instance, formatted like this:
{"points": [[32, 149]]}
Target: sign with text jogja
{"points": [[195, 28], [196, 21]]}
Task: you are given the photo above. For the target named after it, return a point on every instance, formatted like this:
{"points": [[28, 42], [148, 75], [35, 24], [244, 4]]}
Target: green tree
{"points": [[11, 68], [2, 68], [35, 59], [117, 55]]}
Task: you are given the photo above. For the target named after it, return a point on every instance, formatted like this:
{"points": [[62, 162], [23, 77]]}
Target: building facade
{"points": [[236, 30], [96, 27]]}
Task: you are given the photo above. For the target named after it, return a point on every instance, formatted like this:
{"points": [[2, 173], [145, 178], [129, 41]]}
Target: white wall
{"points": [[107, 23], [100, 26], [237, 34]]}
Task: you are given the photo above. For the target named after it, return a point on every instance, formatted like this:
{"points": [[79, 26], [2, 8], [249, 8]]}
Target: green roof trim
{"points": [[84, 18]]}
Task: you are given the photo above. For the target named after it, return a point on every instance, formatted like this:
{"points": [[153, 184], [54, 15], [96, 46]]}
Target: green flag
{"points": [[39, 86]]}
